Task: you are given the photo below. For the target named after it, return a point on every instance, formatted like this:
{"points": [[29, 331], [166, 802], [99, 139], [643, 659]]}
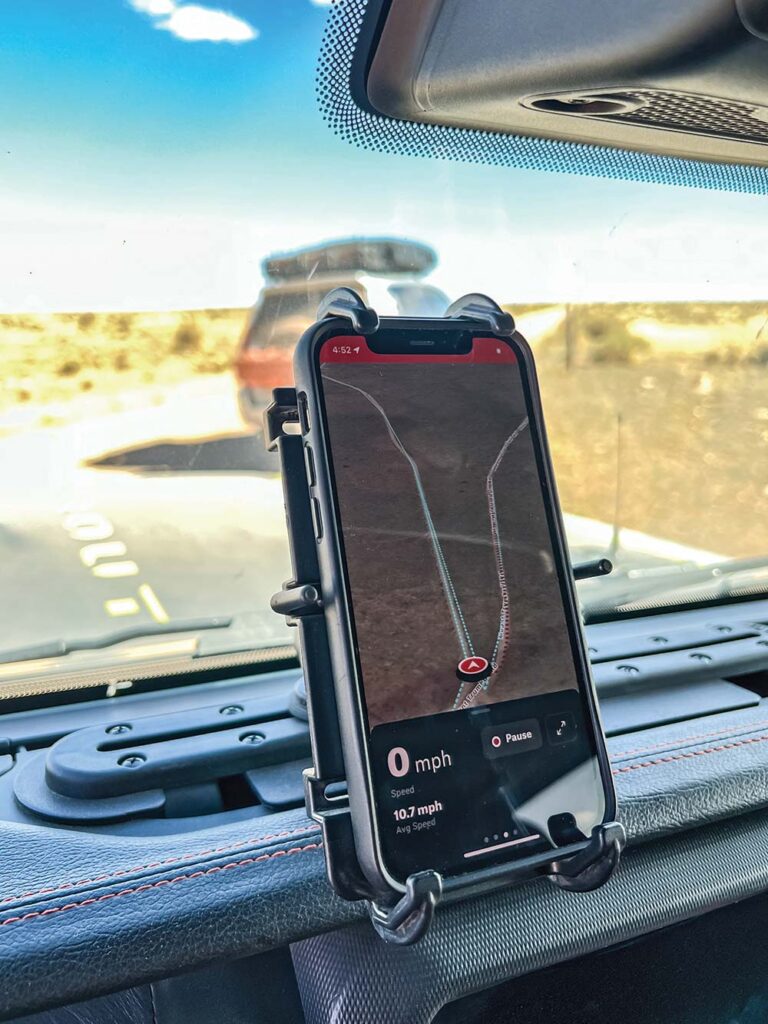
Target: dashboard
{"points": [[224, 868]]}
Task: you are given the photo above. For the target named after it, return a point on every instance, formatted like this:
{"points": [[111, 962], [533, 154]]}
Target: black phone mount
{"points": [[398, 917]]}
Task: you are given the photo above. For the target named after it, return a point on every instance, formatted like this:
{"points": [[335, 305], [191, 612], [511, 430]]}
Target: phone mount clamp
{"points": [[398, 917]]}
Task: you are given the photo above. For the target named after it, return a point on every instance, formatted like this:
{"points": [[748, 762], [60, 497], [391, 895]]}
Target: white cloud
{"points": [[194, 23], [155, 7], [198, 24]]}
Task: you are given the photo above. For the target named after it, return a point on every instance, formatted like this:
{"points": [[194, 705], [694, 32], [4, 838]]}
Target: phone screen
{"points": [[480, 740]]}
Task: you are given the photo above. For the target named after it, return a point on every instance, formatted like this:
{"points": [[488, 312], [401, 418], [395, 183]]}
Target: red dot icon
{"points": [[473, 668], [496, 741]]}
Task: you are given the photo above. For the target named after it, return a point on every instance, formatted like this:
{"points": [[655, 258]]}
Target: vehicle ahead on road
{"points": [[386, 272]]}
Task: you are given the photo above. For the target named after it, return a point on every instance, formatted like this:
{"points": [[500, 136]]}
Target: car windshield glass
{"points": [[174, 206]]}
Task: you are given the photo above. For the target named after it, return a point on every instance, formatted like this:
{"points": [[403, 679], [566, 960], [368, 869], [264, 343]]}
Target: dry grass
{"points": [[664, 408], [59, 357], [693, 463]]}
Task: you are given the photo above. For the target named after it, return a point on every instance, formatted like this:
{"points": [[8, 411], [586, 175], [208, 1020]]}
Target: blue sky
{"points": [[153, 151]]}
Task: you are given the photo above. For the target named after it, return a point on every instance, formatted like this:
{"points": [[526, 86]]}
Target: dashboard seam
{"points": [[159, 884], [167, 862], [678, 742], [685, 755]]}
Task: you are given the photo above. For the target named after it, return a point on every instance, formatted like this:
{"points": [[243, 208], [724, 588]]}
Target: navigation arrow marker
{"points": [[473, 668]]}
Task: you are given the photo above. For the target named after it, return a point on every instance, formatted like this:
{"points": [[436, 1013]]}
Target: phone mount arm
{"points": [[347, 304], [398, 917], [480, 308]]}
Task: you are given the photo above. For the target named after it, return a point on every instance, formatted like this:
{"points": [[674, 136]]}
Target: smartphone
{"points": [[469, 724]]}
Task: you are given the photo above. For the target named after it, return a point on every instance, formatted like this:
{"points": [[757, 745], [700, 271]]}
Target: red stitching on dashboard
{"points": [[680, 740], [48, 890], [160, 863], [161, 883], [689, 754]]}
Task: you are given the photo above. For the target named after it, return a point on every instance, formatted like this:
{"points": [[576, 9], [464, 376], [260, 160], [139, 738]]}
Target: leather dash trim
{"points": [[159, 884], [167, 862], [688, 754], [678, 742]]}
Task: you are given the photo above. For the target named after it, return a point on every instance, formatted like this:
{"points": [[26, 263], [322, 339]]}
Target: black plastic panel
{"points": [[175, 750], [637, 644], [203, 787], [280, 786], [709, 971], [650, 706], [704, 662]]}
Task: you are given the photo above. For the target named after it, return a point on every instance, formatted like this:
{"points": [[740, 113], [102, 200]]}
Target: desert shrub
{"points": [[85, 321], [727, 355], [213, 361], [758, 354], [187, 338], [68, 368], [608, 340], [21, 323], [119, 325]]}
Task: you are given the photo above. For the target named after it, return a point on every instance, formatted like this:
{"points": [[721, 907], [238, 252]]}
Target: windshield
{"points": [[174, 206]]}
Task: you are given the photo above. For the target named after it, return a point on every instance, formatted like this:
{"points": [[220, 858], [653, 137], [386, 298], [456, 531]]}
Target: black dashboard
{"points": [[227, 866]]}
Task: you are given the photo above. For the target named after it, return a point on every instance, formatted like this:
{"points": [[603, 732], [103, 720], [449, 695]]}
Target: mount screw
{"points": [[132, 760]]}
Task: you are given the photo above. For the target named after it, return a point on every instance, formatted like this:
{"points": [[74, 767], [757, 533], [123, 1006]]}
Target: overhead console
{"points": [[669, 94]]}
